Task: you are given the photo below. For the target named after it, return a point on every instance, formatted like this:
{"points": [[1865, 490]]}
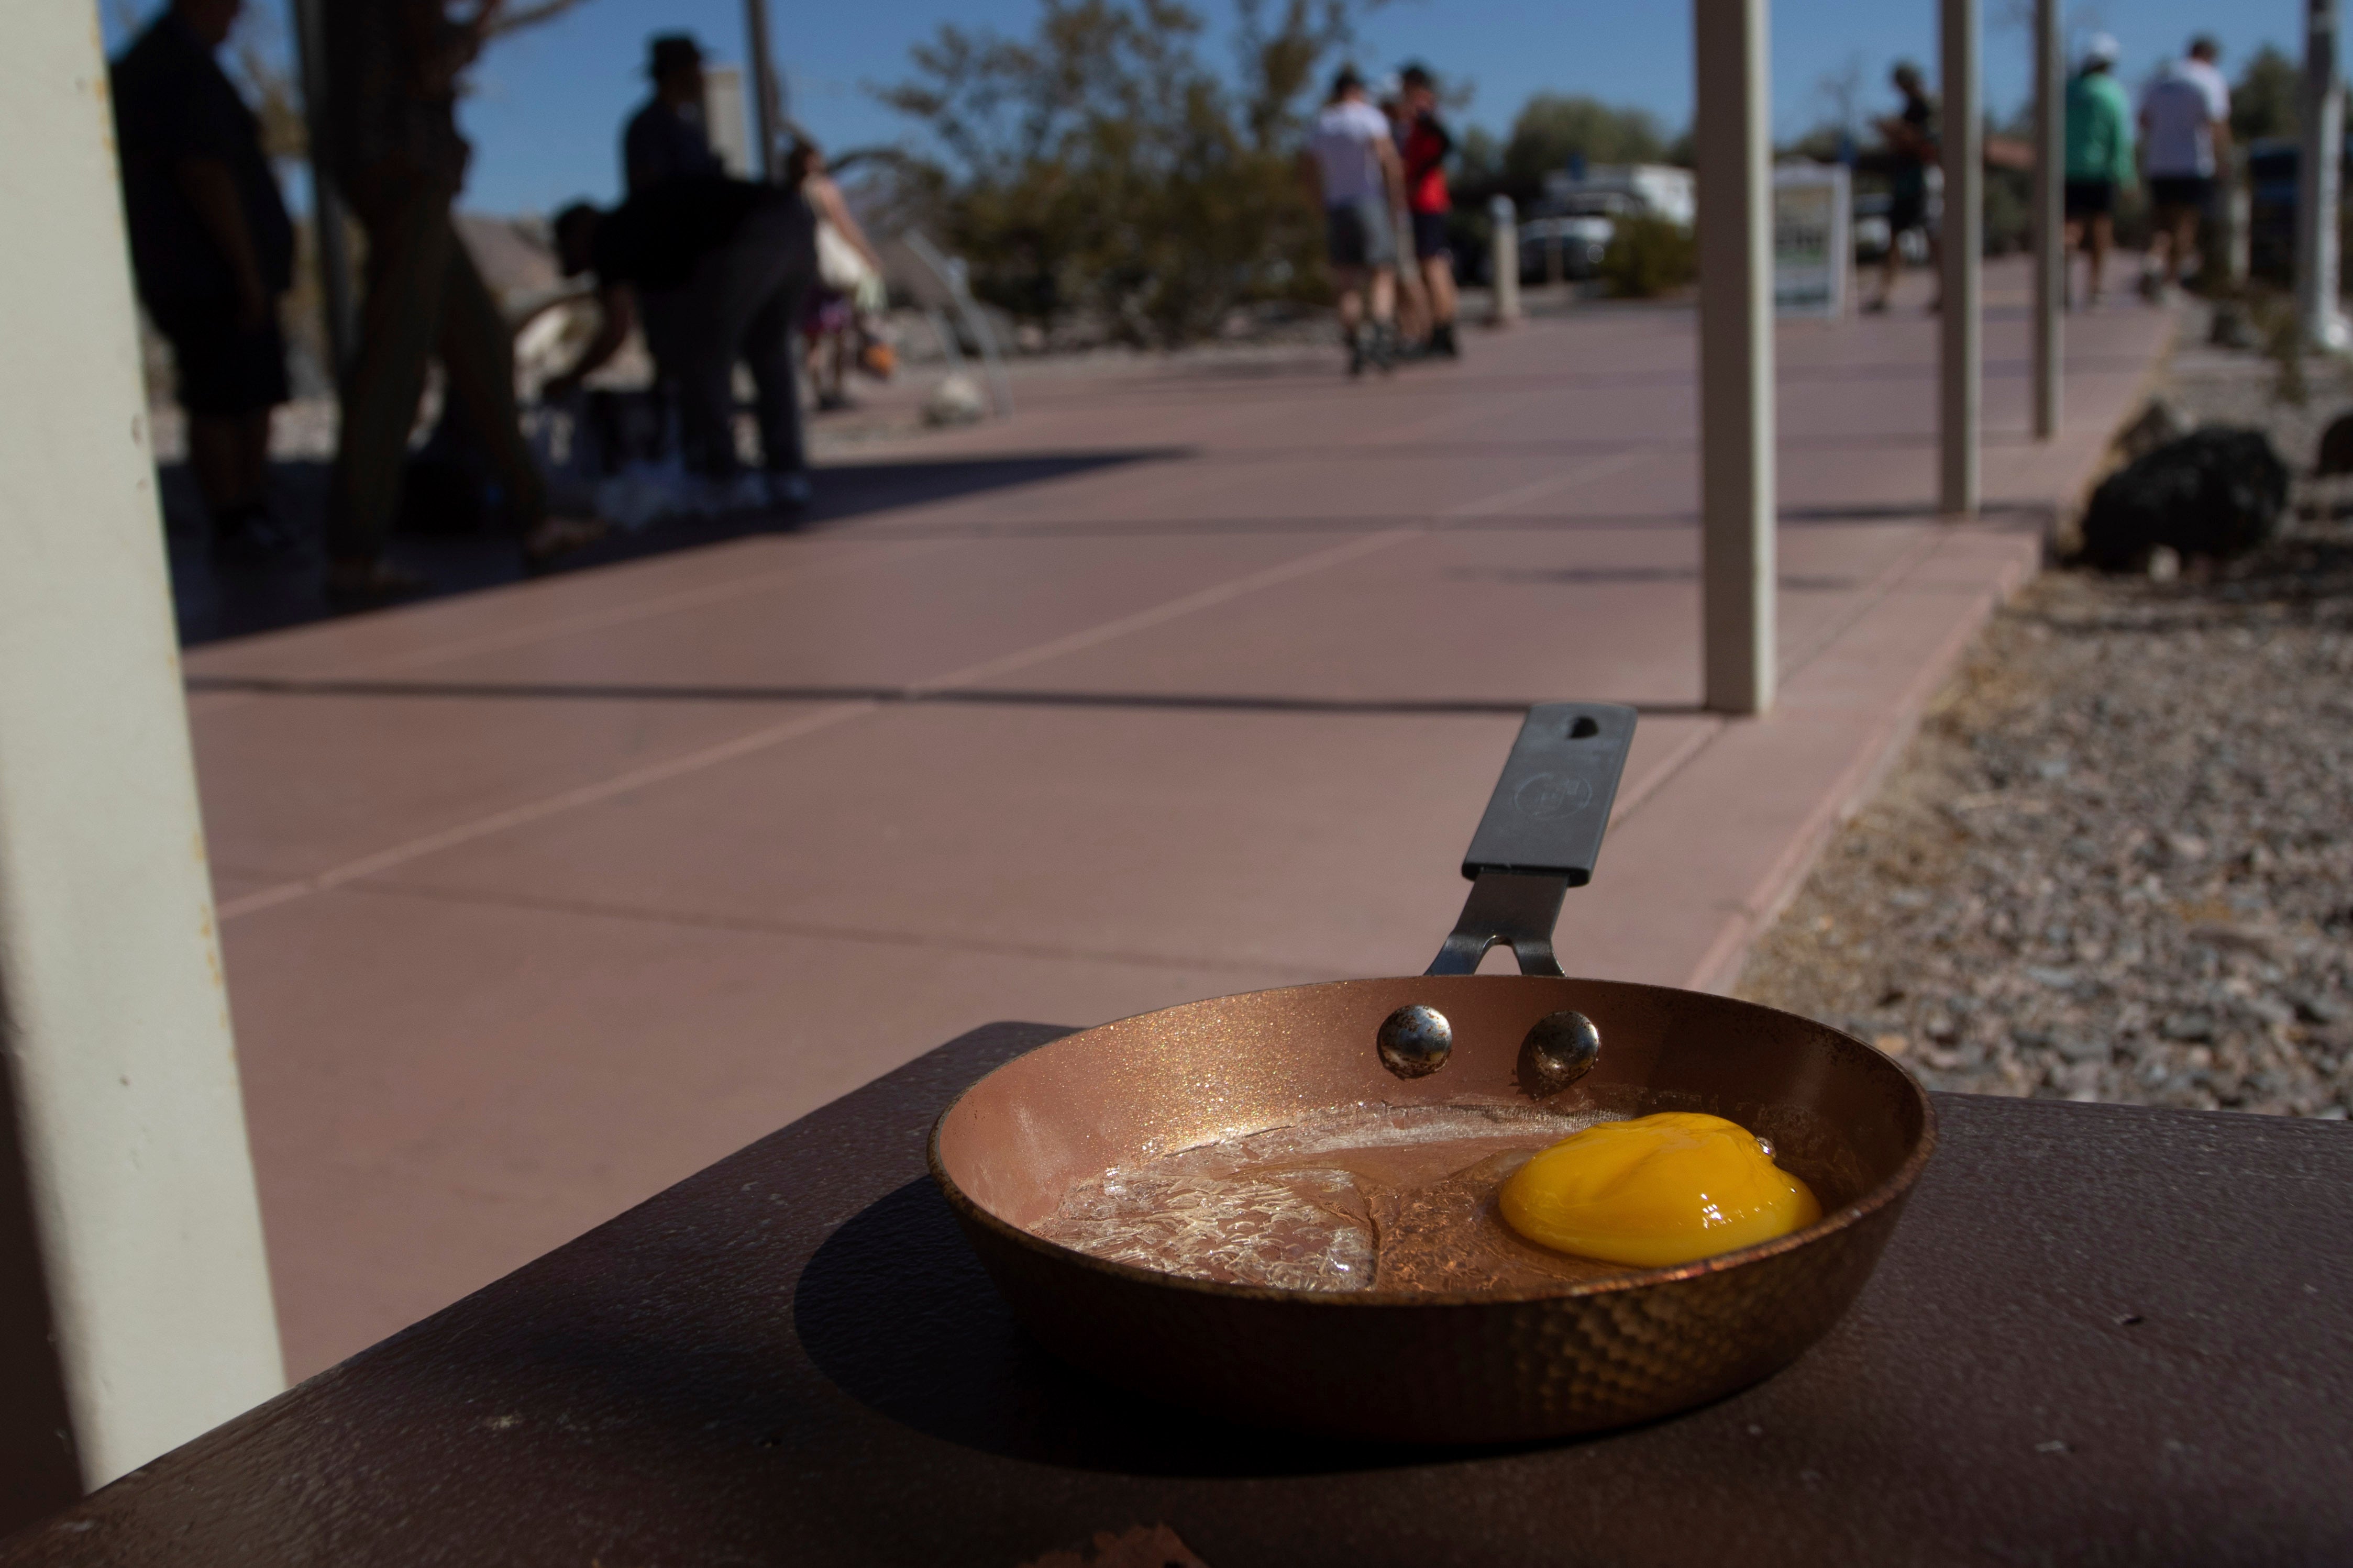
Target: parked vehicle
{"points": [[1578, 213], [1582, 239], [1660, 188]]}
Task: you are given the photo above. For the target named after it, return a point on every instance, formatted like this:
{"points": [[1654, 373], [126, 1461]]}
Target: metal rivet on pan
{"points": [[1561, 1048], [1415, 1040]]}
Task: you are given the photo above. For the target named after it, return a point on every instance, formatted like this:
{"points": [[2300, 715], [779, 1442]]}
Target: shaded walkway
{"points": [[215, 600]]}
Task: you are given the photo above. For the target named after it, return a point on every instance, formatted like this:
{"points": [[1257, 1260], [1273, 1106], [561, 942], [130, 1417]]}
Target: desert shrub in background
{"points": [[1649, 255], [1099, 167]]}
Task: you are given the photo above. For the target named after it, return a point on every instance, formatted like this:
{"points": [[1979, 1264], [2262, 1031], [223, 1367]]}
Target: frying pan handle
{"points": [[1541, 835]]}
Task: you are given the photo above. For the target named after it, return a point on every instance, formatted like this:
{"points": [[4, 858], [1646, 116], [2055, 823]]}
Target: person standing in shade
{"points": [[1352, 171], [2099, 157], [393, 69], [1425, 146], [2185, 127], [213, 250], [1911, 153], [717, 269], [667, 139]]}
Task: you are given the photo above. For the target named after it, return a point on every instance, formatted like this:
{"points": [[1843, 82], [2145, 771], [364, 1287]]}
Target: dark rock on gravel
{"points": [[2216, 492]]}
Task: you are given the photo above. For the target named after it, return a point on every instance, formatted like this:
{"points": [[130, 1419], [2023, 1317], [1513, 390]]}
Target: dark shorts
{"points": [[1430, 235], [223, 370], [2191, 191], [1907, 209], [1357, 234], [2091, 198]]}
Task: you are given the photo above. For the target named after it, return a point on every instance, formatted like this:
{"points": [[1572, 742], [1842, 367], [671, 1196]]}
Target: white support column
{"points": [[2051, 259], [767, 102], [1960, 390], [2317, 174], [126, 1131], [1733, 136], [1504, 214]]}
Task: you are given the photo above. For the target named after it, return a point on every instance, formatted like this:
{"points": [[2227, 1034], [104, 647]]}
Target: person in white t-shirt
{"points": [[1352, 171], [2185, 138]]}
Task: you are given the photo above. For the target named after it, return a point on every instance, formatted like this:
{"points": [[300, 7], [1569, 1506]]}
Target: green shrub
{"points": [[1649, 255]]}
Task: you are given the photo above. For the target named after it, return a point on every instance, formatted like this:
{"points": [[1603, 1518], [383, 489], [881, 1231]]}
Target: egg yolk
{"points": [[1656, 1191]]}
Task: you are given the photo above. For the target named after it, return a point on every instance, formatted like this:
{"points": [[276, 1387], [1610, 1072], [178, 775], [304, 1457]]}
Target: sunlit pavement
{"points": [[1192, 678]]}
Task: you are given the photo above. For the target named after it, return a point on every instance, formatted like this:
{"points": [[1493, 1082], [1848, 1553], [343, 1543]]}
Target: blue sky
{"points": [[547, 104]]}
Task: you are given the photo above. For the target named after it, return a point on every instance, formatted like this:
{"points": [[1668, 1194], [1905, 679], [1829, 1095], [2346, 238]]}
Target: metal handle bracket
{"points": [[1541, 833]]}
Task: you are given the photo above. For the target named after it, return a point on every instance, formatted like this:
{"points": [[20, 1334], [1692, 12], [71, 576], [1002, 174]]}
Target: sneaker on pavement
{"points": [[788, 489]]}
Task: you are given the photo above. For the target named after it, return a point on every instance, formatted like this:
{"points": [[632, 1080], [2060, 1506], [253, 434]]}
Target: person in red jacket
{"points": [[1425, 146]]}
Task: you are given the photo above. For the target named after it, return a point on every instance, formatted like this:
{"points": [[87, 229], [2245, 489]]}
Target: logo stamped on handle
{"points": [[1549, 794]]}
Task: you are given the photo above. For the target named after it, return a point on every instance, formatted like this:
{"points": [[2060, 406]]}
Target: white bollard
{"points": [[1505, 217], [2317, 170], [126, 1134]]}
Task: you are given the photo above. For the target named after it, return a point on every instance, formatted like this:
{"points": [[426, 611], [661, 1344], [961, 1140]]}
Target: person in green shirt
{"points": [[2099, 156]]}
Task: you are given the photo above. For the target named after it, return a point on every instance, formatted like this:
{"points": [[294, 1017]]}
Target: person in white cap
{"points": [[2185, 127], [2099, 156]]}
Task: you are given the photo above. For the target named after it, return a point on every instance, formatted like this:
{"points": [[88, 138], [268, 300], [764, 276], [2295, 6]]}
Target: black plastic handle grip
{"points": [[1552, 804]]}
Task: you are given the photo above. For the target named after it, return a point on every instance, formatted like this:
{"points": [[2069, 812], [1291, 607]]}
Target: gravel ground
{"points": [[2116, 863]]}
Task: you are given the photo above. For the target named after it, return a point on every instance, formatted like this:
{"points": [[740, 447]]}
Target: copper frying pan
{"points": [[1480, 1365]]}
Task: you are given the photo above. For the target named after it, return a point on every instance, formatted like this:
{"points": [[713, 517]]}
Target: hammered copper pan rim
{"points": [[1893, 1190]]}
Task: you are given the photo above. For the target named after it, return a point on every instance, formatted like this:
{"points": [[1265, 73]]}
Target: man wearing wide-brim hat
{"points": [[667, 139]]}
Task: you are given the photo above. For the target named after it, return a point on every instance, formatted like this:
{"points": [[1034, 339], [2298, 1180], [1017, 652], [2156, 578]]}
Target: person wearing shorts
{"points": [[2099, 157], [213, 250], [1423, 155], [1911, 152], [1351, 168], [2185, 126]]}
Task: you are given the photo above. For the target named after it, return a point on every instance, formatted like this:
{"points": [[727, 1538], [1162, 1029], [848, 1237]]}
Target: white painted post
{"points": [[1504, 215], [126, 1127], [2316, 181], [2051, 259], [1961, 383], [767, 101], [1734, 138]]}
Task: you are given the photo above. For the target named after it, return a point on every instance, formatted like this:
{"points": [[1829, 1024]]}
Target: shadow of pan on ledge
{"points": [[896, 1311]]}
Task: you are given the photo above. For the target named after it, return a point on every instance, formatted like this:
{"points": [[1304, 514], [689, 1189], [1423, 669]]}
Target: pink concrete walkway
{"points": [[540, 900]]}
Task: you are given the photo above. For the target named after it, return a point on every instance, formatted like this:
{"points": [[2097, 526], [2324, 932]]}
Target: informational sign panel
{"points": [[1813, 240]]}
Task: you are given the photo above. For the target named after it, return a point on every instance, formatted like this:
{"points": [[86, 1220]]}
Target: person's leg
{"points": [[1350, 283], [253, 454], [2185, 243], [408, 236], [477, 354], [1891, 266], [1437, 282], [714, 311], [1438, 276], [216, 458], [1383, 296], [1414, 317], [767, 345], [2103, 233], [2161, 246]]}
